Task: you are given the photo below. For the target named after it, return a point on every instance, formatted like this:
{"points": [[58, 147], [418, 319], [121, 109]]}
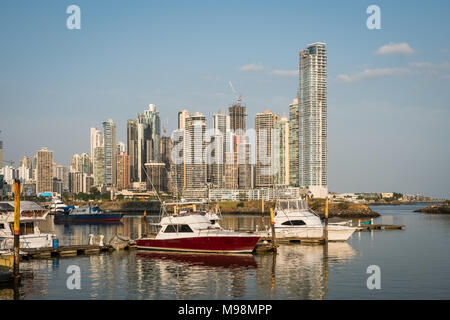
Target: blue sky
{"points": [[388, 89]]}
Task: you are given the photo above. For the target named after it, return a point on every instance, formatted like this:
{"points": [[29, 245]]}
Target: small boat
{"points": [[88, 214], [196, 231], [293, 219], [30, 235]]}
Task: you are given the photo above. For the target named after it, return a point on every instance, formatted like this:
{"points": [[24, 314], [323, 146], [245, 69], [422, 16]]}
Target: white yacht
{"points": [[58, 206], [189, 229], [293, 219], [30, 235]]}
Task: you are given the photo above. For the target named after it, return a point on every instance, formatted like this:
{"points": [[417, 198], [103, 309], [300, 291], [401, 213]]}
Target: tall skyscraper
{"points": [[132, 146], [294, 152], [166, 158], [190, 154], [75, 163], [96, 140], [26, 162], [99, 166], [238, 118], [265, 168], [312, 99], [281, 152], [85, 164], [44, 176], [196, 151], [109, 133], [123, 171], [218, 149], [143, 142]]}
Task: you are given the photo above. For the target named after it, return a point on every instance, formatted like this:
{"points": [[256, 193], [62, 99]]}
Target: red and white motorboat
{"points": [[196, 231]]}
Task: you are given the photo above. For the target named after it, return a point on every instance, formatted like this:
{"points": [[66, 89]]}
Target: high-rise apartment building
{"points": [[294, 152], [196, 151], [123, 171], [312, 100], [26, 162], [281, 152], [132, 147], [110, 146], [99, 166], [96, 141], [238, 118], [265, 168], [44, 176], [189, 154], [144, 142]]}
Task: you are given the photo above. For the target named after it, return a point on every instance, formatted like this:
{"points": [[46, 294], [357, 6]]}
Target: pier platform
{"points": [[65, 251], [369, 227]]}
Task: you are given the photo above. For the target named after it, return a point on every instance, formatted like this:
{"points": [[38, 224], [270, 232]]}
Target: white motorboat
{"points": [[58, 206], [293, 219], [30, 235], [196, 231]]}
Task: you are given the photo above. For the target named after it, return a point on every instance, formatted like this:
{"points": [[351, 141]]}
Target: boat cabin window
{"points": [[171, 228], [2, 226], [25, 228], [294, 223]]}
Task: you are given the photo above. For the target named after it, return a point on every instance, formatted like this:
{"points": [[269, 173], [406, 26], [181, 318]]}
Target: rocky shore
{"points": [[340, 210], [344, 210], [436, 209]]}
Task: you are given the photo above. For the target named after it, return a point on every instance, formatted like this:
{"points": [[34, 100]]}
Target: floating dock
{"points": [[60, 252], [294, 240], [369, 227]]}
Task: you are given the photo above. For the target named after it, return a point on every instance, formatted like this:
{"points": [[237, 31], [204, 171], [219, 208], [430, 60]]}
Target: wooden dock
{"points": [[295, 240], [66, 251], [369, 227]]}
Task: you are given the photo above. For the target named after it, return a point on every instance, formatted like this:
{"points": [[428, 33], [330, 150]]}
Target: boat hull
{"points": [[89, 218], [29, 241], [210, 244]]}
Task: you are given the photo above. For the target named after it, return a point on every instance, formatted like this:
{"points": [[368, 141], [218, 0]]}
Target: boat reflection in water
{"points": [[227, 261], [299, 271]]}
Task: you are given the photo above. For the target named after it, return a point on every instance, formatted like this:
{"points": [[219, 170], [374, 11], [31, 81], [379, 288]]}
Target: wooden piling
{"points": [[144, 221], [272, 225], [326, 220], [16, 228]]}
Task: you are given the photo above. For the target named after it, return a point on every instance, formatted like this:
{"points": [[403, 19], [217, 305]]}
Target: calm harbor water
{"points": [[414, 264]]}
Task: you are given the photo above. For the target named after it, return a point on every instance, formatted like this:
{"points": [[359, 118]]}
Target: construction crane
{"points": [[238, 95], [11, 163]]}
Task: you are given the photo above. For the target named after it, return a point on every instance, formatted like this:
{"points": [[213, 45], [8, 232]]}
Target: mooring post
{"points": [[262, 205], [144, 221], [272, 224], [326, 220], [16, 228]]}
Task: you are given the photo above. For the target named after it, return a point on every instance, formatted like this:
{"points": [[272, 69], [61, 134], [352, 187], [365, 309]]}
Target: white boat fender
{"points": [[91, 239], [101, 241]]}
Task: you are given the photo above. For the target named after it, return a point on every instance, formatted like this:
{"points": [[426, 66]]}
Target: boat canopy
{"points": [[25, 206], [292, 204]]}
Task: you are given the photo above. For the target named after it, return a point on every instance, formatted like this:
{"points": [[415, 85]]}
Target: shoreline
{"points": [[251, 208], [435, 209]]}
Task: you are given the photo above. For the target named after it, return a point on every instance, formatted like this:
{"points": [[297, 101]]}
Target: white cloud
{"points": [[395, 49], [373, 73], [285, 73], [252, 67]]}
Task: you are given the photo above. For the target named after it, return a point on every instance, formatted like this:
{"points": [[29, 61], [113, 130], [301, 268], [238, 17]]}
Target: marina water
{"points": [[414, 264]]}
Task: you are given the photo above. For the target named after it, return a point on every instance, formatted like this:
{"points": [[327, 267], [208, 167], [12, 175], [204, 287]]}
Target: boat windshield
{"points": [[292, 204]]}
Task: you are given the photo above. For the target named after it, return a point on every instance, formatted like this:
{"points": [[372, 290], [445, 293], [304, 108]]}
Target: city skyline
{"points": [[388, 104]]}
